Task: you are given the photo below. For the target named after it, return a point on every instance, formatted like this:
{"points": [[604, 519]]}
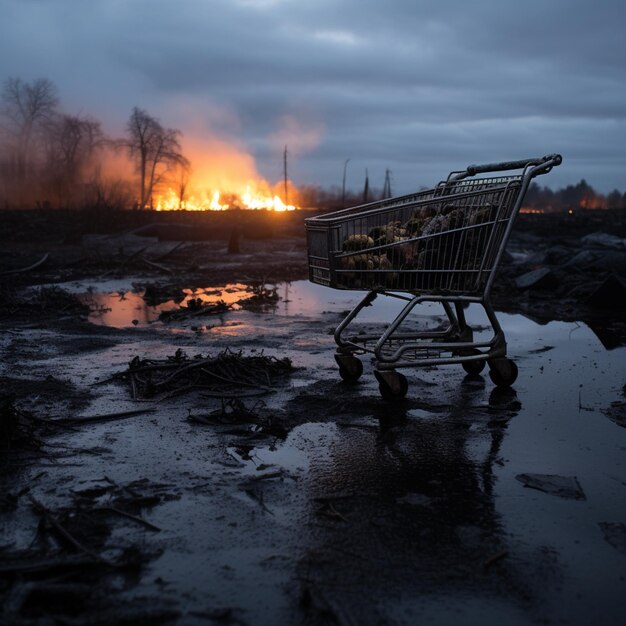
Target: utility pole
{"points": [[285, 175], [343, 187], [387, 185]]}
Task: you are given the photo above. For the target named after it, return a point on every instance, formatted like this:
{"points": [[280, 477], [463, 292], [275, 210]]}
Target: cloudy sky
{"points": [[417, 86]]}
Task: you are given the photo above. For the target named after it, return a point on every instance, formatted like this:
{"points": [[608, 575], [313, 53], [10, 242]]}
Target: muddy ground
{"points": [[172, 468]]}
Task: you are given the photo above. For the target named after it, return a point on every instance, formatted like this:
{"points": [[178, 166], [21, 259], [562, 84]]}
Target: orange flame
{"points": [[250, 198], [223, 176]]}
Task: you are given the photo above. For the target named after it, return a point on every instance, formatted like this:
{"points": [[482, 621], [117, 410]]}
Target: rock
{"points": [[604, 260], [542, 278], [556, 255], [562, 486], [610, 294], [603, 240]]}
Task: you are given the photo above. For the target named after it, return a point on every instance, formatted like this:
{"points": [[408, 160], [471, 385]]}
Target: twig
{"points": [[101, 418], [176, 247], [121, 266], [157, 265], [230, 381], [329, 510], [42, 260], [277, 474], [581, 407], [63, 532], [221, 394], [135, 518]]}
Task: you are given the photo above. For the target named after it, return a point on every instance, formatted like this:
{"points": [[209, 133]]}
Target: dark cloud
{"points": [[420, 88]]}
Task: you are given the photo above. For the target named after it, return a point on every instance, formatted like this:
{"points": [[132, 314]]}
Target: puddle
{"points": [[124, 308]]}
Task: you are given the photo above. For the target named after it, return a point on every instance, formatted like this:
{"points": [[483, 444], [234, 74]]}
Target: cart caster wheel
{"points": [[392, 384], [350, 368], [473, 368], [503, 372]]}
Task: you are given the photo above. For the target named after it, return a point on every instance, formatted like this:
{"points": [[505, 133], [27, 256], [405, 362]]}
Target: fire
{"points": [[223, 176], [215, 200]]}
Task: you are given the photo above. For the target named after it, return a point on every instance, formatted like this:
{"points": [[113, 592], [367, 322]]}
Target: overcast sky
{"points": [[419, 87]]}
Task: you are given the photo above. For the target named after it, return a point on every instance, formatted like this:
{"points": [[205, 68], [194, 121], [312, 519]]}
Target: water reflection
{"points": [[407, 511], [129, 308], [304, 299]]}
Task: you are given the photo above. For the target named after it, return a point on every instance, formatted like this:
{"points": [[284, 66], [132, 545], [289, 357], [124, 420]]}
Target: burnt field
{"points": [[177, 447]]}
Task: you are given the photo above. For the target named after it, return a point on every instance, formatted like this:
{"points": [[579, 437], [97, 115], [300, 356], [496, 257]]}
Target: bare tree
{"points": [[156, 150], [71, 144], [25, 107], [182, 183]]}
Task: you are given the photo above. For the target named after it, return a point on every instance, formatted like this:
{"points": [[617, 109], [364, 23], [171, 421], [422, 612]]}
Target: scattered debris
{"points": [[327, 509], [17, 428], [72, 566], [615, 534], [194, 308], [91, 419], [562, 486], [39, 302], [135, 518], [261, 297], [541, 350], [617, 412], [64, 535], [234, 411], [155, 294], [221, 376]]}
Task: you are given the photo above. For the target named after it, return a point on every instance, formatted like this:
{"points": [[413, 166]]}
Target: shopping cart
{"points": [[438, 245]]}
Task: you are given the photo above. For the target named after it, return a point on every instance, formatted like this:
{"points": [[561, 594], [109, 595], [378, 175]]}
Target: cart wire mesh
{"points": [[444, 240]]}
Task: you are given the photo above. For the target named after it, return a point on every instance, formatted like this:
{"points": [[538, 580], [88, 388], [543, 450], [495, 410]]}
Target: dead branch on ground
{"points": [[223, 375]]}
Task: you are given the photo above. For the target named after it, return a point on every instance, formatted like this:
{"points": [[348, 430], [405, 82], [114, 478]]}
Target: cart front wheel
{"points": [[392, 384], [503, 372], [472, 367], [350, 368]]}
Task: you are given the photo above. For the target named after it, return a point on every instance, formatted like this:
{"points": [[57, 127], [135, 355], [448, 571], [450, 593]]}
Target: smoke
{"points": [[299, 137]]}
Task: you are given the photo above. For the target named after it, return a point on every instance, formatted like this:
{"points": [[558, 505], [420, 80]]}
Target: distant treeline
{"points": [[580, 196]]}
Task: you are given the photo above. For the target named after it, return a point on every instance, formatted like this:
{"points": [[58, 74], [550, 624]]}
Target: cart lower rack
{"points": [[439, 245]]}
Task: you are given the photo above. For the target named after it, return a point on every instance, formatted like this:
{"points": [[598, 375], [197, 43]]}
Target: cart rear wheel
{"points": [[503, 372], [350, 368], [472, 367], [392, 384]]}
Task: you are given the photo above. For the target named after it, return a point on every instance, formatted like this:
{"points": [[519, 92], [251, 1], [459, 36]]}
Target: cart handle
{"points": [[546, 163]]}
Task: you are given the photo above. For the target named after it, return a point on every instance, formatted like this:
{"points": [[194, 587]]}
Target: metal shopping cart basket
{"points": [[438, 245]]}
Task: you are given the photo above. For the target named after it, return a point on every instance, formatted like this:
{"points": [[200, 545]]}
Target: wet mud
{"points": [[299, 499]]}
